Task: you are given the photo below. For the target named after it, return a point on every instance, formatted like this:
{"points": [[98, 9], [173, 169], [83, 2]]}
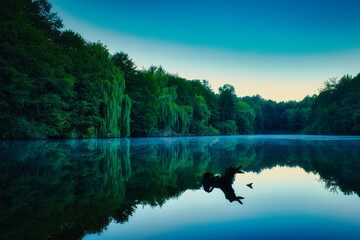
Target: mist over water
{"points": [[303, 187]]}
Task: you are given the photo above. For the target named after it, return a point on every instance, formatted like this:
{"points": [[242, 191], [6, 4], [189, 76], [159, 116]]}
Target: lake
{"points": [[151, 188]]}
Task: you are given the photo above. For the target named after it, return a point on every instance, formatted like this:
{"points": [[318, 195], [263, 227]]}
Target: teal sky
{"points": [[282, 50]]}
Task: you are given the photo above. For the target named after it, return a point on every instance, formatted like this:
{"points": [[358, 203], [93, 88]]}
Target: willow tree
{"points": [[202, 114], [201, 110], [125, 116], [184, 116], [173, 117], [116, 108]]}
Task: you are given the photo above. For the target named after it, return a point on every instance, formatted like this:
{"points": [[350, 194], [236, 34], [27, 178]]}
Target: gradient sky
{"points": [[282, 50]]}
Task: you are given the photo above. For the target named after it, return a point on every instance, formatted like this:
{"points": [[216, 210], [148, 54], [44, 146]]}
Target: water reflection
{"points": [[224, 182], [68, 189]]}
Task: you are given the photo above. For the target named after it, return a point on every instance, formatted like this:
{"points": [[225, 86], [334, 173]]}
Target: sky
{"points": [[281, 50]]}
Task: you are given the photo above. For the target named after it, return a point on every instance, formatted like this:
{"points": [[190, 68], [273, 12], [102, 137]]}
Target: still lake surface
{"points": [[304, 187]]}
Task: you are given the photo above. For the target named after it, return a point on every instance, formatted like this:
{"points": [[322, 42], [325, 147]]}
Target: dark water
{"points": [[303, 187]]}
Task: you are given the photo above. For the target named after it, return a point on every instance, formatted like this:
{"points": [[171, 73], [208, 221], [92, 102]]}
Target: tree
{"points": [[245, 116], [227, 101], [125, 64]]}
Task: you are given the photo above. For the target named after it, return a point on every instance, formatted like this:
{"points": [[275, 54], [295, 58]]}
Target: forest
{"points": [[56, 84]]}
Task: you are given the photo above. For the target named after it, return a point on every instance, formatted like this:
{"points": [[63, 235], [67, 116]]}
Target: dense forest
{"points": [[55, 84]]}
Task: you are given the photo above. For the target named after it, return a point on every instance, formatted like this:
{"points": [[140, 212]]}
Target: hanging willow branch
{"points": [[175, 117], [116, 107]]}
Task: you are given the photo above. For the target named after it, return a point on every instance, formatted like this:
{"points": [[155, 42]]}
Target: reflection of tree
{"points": [[58, 188], [338, 167], [230, 151], [115, 166], [67, 189], [223, 182], [336, 162], [270, 154]]}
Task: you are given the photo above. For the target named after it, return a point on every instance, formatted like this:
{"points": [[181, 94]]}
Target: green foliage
{"points": [[125, 116], [167, 105], [53, 83], [228, 128], [201, 110], [282, 117], [143, 91], [113, 103], [227, 103], [173, 117], [245, 117], [199, 125], [336, 109], [297, 118], [34, 86], [125, 64]]}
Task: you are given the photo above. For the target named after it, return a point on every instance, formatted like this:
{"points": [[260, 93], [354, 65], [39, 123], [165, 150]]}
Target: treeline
{"points": [[282, 117], [335, 111], [55, 84]]}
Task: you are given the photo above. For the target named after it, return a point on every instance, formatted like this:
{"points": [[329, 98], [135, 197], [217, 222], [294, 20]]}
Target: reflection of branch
{"points": [[224, 182]]}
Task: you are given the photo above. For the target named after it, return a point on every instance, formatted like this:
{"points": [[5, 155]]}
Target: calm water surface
{"points": [[149, 188]]}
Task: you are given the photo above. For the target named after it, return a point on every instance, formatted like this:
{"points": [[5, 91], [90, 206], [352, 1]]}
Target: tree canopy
{"points": [[55, 84]]}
